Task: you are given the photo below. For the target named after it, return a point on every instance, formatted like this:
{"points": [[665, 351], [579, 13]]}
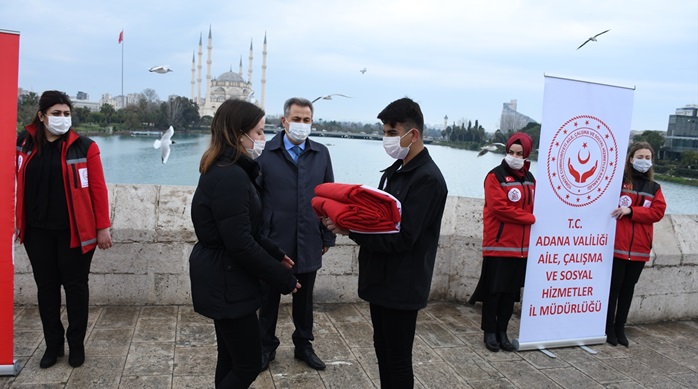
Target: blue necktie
{"points": [[296, 152]]}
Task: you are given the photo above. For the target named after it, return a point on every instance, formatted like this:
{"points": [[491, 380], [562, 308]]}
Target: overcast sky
{"points": [[461, 58]]}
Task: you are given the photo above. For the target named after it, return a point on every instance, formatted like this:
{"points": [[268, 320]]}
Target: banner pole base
{"points": [[589, 350], [547, 352], [13, 369]]}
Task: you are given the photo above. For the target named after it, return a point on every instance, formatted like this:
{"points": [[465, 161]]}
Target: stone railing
{"points": [[153, 237]]}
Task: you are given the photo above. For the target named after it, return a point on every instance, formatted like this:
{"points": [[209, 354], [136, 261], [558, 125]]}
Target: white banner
{"points": [[583, 142]]}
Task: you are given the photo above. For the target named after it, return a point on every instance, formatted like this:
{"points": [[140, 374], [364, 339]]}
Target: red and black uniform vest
{"points": [[85, 189], [508, 213]]}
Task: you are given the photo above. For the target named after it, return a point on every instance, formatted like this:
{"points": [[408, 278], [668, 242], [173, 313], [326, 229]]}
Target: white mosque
{"points": [[229, 85]]}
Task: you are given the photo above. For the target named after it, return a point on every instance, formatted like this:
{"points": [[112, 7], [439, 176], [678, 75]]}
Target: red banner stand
{"points": [[9, 69]]}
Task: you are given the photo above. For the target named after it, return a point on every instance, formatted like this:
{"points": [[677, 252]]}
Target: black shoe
{"points": [[77, 356], [266, 358], [611, 336], [308, 356], [504, 342], [620, 334], [50, 357], [491, 342]]}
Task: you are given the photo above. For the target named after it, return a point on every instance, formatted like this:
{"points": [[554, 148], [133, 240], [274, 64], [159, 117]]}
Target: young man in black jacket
{"points": [[395, 270]]}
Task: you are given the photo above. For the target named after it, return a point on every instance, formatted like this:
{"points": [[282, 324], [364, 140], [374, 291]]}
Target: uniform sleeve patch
{"points": [[82, 172]]}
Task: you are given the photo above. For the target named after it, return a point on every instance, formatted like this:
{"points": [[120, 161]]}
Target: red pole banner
{"points": [[9, 69]]}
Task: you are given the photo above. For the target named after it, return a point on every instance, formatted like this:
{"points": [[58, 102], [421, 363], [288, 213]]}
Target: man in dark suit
{"points": [[292, 166]]}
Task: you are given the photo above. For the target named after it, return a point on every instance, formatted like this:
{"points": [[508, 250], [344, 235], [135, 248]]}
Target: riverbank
{"points": [[676, 180]]}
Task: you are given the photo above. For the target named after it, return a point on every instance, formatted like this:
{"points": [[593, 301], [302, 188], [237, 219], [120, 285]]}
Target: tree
{"points": [[108, 111], [533, 130], [150, 96], [654, 138], [689, 159], [132, 116], [80, 115], [27, 107], [499, 137], [179, 112]]}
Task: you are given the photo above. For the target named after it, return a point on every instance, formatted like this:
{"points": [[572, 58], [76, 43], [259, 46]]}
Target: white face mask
{"points": [[59, 125], [391, 144], [513, 162], [298, 132], [257, 149], [642, 165]]}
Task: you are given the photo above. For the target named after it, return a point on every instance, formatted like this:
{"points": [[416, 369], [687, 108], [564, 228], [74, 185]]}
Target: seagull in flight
{"points": [[363, 71], [592, 39], [164, 144], [329, 97], [162, 69], [490, 147]]}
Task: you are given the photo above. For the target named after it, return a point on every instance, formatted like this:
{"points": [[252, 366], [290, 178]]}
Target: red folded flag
{"points": [[121, 36], [358, 208]]}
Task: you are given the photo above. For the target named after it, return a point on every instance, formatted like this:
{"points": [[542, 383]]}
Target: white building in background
{"points": [[228, 85], [117, 101], [511, 119], [82, 100]]}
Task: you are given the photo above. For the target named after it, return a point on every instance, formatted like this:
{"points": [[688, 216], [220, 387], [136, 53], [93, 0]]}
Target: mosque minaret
{"points": [[193, 74], [208, 66], [264, 71], [228, 85], [198, 79]]}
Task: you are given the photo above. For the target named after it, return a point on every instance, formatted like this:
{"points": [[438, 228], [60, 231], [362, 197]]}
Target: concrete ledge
{"points": [[153, 237]]}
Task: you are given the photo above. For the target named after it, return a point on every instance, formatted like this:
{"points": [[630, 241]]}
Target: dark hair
{"points": [[628, 174], [233, 119], [47, 100], [404, 111], [299, 101]]}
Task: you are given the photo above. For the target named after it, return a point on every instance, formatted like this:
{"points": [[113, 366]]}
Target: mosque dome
{"points": [[230, 77]]}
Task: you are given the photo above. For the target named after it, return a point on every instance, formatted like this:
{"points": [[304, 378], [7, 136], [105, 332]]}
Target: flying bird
{"points": [[329, 97], [162, 69], [592, 39], [363, 71], [490, 147], [164, 144]]}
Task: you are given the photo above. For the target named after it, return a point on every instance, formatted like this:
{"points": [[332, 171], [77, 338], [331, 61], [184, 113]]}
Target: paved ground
{"points": [[173, 347]]}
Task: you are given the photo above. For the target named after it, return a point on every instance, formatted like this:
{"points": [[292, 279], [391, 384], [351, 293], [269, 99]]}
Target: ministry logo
{"points": [[582, 160]]}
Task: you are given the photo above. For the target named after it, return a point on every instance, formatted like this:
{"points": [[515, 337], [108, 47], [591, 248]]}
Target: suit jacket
{"points": [[287, 188]]}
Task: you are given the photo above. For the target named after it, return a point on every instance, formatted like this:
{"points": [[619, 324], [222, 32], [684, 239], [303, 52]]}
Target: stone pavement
{"points": [[173, 347]]}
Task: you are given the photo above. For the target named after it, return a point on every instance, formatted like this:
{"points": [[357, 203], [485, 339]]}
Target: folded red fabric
{"points": [[358, 208]]}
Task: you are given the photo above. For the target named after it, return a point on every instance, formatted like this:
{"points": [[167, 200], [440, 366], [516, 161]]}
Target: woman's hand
{"points": [[103, 239], [298, 286], [287, 262], [620, 212]]}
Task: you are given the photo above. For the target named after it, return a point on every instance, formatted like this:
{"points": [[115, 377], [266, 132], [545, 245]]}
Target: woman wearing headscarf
{"points": [[507, 219]]}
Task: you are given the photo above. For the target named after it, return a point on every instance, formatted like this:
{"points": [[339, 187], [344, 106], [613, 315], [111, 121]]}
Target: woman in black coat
{"points": [[231, 256]]}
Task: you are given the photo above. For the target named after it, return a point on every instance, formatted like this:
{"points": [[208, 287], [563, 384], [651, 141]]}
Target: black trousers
{"points": [[623, 279], [302, 314], [497, 309], [393, 337], [239, 352], [55, 264]]}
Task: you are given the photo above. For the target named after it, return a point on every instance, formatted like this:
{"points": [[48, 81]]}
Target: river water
{"points": [[133, 160]]}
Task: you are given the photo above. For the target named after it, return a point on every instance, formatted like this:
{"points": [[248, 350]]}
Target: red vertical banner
{"points": [[9, 69]]}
